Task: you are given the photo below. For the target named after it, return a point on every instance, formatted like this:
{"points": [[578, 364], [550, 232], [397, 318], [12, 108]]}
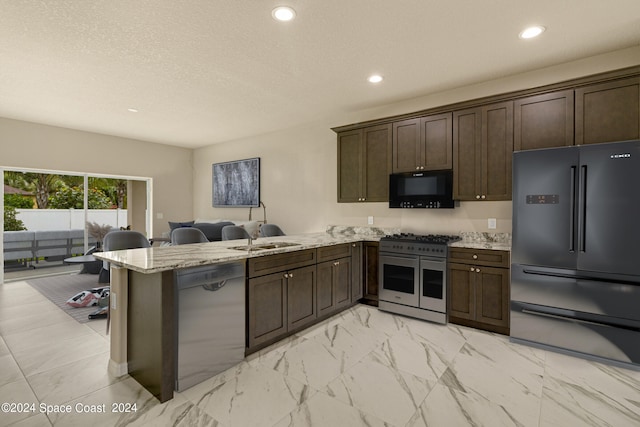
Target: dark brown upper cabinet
{"points": [[543, 121], [608, 112], [423, 143], [482, 150], [364, 164]]}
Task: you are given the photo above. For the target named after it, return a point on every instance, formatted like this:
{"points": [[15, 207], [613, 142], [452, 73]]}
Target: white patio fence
{"points": [[69, 219]]}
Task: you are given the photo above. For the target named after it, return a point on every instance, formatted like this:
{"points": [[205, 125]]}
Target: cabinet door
{"points": [[497, 150], [350, 166], [334, 286], [543, 121], [407, 146], [437, 142], [357, 288], [608, 112], [301, 297], [467, 140], [370, 272], [492, 296], [325, 289], [377, 151], [342, 283], [462, 291], [267, 302]]}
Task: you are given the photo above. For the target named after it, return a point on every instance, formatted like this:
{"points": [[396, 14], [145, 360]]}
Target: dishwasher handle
{"points": [[210, 277], [215, 286]]}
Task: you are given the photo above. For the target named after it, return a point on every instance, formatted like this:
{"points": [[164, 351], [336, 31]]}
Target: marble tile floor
{"points": [[360, 368]]}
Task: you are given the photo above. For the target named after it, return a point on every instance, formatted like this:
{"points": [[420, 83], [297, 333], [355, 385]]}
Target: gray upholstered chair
{"points": [[186, 235], [118, 240], [268, 230], [213, 231], [234, 232]]}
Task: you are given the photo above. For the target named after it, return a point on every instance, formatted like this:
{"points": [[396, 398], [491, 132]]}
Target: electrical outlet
{"points": [[370, 220], [491, 223]]}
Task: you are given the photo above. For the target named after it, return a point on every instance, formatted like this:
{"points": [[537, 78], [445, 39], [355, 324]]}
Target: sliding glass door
{"points": [[50, 216]]}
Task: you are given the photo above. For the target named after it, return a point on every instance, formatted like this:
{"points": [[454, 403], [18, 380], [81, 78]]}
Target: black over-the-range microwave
{"points": [[425, 189]]}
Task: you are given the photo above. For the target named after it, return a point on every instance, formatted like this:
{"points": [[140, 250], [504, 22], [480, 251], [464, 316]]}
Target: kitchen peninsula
{"points": [[143, 311]]}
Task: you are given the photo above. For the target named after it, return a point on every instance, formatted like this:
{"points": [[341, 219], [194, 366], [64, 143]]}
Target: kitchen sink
{"points": [[264, 246]]}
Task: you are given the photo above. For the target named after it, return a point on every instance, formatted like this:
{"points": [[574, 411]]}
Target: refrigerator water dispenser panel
{"points": [[543, 199]]}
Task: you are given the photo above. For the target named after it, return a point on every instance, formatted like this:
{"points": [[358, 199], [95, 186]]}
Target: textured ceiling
{"points": [[207, 71]]}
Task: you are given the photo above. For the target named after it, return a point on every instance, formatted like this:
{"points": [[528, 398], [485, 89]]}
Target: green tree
{"points": [[73, 198], [18, 201], [44, 186], [11, 223], [115, 189], [40, 184]]}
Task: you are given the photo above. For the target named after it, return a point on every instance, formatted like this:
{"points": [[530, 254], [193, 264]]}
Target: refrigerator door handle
{"points": [[582, 245], [572, 211]]}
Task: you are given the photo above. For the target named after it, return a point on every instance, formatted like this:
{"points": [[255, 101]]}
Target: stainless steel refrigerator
{"points": [[575, 274]]}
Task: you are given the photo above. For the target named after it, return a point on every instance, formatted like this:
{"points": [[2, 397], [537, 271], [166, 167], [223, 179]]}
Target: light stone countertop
{"points": [[163, 258], [482, 240]]}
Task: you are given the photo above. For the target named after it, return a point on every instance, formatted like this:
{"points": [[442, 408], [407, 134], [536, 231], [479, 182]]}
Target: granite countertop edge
{"points": [[164, 258], [484, 240]]}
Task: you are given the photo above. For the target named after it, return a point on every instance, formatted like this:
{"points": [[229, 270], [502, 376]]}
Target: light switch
{"points": [[491, 223], [370, 220]]}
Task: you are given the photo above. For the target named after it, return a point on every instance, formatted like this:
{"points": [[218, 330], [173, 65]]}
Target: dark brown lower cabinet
{"points": [[334, 286], [357, 288], [301, 297], [370, 272], [290, 291], [279, 303], [267, 303], [479, 294]]}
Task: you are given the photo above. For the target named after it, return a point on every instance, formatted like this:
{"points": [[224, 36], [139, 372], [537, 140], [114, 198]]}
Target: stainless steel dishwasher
{"points": [[211, 321]]}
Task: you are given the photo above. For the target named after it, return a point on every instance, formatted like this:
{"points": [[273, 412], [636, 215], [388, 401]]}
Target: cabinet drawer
{"points": [[488, 257], [328, 253], [260, 266]]}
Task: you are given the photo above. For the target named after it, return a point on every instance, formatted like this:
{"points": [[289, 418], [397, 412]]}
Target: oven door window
{"points": [[399, 280], [433, 285]]}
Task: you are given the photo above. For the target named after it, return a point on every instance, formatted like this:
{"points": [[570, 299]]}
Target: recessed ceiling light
{"points": [[375, 78], [531, 32], [132, 110], [283, 13]]}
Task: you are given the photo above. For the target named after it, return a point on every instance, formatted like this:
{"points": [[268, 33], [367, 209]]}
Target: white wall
{"points": [[298, 165]]}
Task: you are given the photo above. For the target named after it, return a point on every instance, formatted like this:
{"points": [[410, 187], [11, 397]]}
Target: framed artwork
{"points": [[237, 183]]}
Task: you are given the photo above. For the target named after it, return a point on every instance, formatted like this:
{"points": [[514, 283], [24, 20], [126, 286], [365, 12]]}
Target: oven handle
{"points": [[404, 259], [436, 264]]}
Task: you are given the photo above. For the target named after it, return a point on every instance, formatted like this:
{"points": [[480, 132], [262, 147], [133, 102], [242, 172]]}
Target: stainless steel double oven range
{"points": [[413, 275]]}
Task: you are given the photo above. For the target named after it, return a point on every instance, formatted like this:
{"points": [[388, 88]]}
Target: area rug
{"points": [[58, 289]]}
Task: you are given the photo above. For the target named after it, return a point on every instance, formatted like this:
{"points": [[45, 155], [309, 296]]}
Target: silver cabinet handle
{"points": [[475, 256], [286, 276], [472, 269], [477, 196], [484, 197], [477, 270]]}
